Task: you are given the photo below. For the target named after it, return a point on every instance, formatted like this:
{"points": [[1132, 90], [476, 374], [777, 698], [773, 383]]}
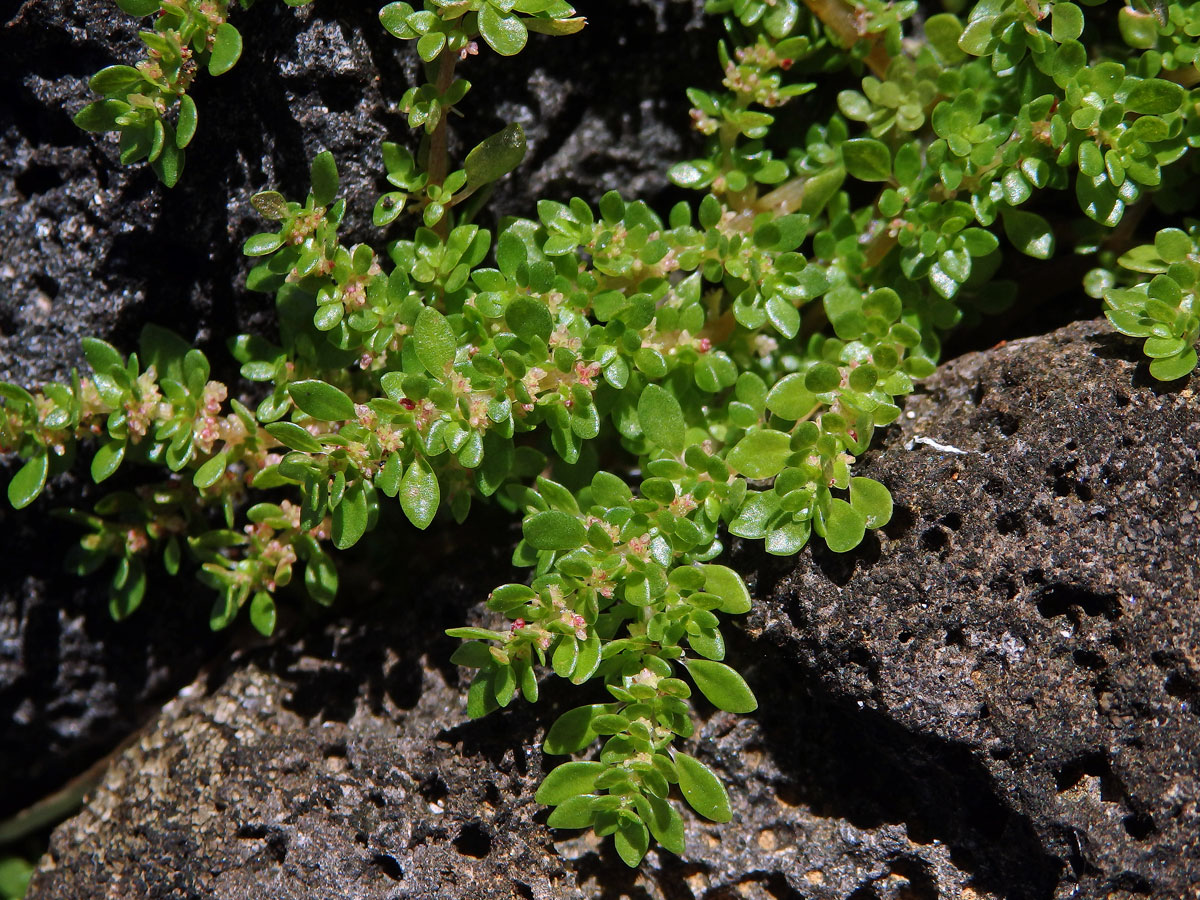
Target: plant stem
{"points": [[439, 162], [841, 20], [438, 155]]}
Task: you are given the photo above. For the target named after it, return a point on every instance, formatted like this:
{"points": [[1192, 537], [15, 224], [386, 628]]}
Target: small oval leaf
{"points": [[702, 789], [321, 400], [723, 686]]}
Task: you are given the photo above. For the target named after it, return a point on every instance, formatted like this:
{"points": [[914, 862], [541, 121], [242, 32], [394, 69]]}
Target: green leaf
{"points": [[29, 481], [321, 400], [723, 686], [168, 165], [321, 579], [631, 841], [349, 518], [1067, 22], [665, 824], [760, 454], [226, 49], [262, 244], [101, 356], [729, 586], [1173, 245], [481, 695], [554, 530], [702, 789], [529, 318], [209, 473], [294, 437], [101, 115], [505, 33], [867, 159], [575, 812], [572, 731], [661, 418], [186, 127], [117, 81], [270, 205], [871, 499], [496, 155], [556, 27], [588, 660], [1154, 97], [15, 875], [139, 8], [107, 460], [127, 588], [1173, 367], [568, 780], [1029, 233], [434, 340], [844, 526], [420, 493], [262, 613], [323, 175], [790, 399]]}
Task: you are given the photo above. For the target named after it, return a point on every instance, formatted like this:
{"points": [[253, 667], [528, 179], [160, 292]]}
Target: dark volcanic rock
{"points": [[1032, 609], [93, 248], [996, 699]]}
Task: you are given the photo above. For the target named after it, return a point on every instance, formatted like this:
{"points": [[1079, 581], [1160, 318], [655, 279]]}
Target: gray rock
{"points": [[994, 699]]}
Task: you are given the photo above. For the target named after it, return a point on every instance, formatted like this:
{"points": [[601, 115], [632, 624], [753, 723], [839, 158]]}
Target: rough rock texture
{"points": [[1031, 615], [994, 700], [93, 248]]}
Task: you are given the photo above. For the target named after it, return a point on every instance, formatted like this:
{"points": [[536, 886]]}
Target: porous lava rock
{"points": [[994, 698], [91, 248]]}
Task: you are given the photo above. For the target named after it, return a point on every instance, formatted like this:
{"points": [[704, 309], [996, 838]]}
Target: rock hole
{"points": [[37, 179], [1007, 423], [388, 866], [955, 636], [336, 750], [1059, 599], [1009, 522], [1002, 752], [433, 788], [1071, 445], [1004, 585], [1121, 399], [866, 892], [934, 539], [777, 886], [953, 521], [523, 889], [1090, 659], [473, 841], [1094, 765], [1133, 883], [905, 636], [901, 522], [994, 487], [1139, 826], [47, 285]]}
